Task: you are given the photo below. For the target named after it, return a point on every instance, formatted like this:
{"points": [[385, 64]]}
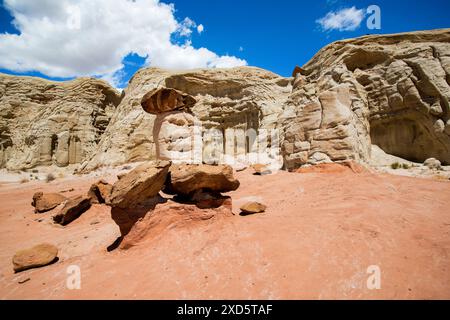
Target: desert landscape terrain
{"points": [[233, 183]]}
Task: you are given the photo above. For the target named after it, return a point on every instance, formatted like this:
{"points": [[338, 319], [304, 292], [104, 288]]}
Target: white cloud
{"points": [[200, 28], [185, 27], [348, 19], [69, 38]]}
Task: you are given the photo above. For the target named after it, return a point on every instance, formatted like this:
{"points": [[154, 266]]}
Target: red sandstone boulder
{"points": [[139, 185], [72, 209], [43, 202], [186, 179], [38, 256]]}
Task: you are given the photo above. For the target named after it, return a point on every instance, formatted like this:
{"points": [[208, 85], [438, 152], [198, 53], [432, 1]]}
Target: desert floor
{"points": [[317, 239]]}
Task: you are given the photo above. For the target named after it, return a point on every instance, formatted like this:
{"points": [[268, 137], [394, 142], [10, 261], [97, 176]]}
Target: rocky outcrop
{"points": [[172, 216], [38, 256], [390, 90], [43, 202], [227, 99], [44, 122]]}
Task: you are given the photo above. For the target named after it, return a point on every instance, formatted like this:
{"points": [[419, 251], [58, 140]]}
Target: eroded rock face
{"points": [[186, 179], [45, 123], [392, 91], [389, 90]]}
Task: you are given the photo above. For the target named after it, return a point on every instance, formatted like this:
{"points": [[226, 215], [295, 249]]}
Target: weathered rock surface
{"points": [[390, 90], [433, 164], [238, 98], [170, 216], [100, 192], [44, 122], [186, 179], [139, 185], [38, 256], [252, 208], [43, 202], [72, 209]]}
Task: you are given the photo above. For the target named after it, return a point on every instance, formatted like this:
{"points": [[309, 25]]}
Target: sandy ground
{"points": [[319, 236]]}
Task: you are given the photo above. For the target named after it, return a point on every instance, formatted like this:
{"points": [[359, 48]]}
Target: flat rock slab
{"points": [[186, 179], [73, 208], [139, 185], [38, 256], [43, 202]]}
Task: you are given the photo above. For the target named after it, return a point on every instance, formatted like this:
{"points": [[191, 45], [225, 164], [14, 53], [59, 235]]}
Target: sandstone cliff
{"points": [[388, 90], [240, 98], [45, 123]]}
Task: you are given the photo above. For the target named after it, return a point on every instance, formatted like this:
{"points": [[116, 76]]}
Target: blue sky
{"points": [[112, 44]]}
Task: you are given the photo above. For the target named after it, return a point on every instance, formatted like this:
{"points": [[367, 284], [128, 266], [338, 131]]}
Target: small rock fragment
{"points": [[252, 208]]}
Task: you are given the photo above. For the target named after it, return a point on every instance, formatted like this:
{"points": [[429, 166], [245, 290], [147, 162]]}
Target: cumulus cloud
{"points": [[70, 38], [200, 28], [347, 19]]}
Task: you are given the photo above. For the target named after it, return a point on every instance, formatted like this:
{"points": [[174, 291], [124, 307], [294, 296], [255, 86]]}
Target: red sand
{"points": [[319, 235]]}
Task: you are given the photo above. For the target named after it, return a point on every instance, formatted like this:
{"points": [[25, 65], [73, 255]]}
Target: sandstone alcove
{"points": [[408, 138]]}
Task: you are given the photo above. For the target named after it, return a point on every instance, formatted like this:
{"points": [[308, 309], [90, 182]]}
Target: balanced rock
{"points": [[43, 202], [38, 256], [142, 183], [185, 179], [252, 208], [164, 100], [100, 192], [72, 209]]}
